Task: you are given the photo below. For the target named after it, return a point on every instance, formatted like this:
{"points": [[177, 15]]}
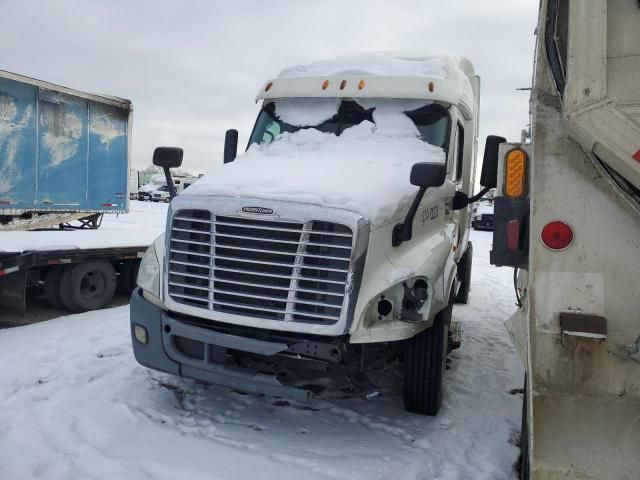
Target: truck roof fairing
{"points": [[443, 78]]}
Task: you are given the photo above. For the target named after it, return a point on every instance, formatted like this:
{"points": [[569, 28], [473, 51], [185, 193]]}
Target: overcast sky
{"points": [[192, 68]]}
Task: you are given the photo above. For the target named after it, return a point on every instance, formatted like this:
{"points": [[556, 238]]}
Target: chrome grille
{"points": [[293, 272]]}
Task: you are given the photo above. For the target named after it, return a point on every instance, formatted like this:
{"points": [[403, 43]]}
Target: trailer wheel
{"points": [[464, 274], [89, 285], [424, 365], [51, 286]]}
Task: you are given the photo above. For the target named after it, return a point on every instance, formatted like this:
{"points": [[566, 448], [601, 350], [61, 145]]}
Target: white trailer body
{"points": [[578, 328]]}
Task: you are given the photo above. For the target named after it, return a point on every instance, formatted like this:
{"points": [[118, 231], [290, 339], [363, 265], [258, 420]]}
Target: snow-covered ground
{"points": [[144, 222], [75, 404]]}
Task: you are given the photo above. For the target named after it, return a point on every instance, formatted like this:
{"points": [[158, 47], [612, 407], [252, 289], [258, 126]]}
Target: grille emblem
{"points": [[259, 210]]}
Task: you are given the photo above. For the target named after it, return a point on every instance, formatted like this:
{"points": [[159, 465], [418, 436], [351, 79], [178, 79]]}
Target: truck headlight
{"points": [[149, 273]]}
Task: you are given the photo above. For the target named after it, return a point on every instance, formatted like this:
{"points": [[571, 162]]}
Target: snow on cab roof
{"points": [[418, 75]]}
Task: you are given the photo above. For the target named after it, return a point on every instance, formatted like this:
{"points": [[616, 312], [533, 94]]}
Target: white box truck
{"points": [[339, 238], [567, 216]]}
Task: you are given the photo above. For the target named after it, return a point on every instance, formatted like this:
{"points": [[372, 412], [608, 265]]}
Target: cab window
{"points": [[459, 154]]}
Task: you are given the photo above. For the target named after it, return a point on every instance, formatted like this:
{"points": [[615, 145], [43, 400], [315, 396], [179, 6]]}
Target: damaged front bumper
{"points": [[178, 348]]}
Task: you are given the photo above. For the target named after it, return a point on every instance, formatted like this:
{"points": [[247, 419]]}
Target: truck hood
{"points": [[363, 170]]}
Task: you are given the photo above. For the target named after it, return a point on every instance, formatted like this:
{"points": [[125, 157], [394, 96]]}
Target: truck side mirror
{"points": [[428, 174], [168, 157], [230, 146], [423, 175], [489, 175]]}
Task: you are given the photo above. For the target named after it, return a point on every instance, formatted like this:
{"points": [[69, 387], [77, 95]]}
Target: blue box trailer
{"points": [[62, 150], [64, 155]]}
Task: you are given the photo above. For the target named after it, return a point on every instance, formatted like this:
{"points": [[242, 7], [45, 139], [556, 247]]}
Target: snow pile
{"points": [[364, 170], [306, 111], [375, 63], [138, 228], [74, 404]]}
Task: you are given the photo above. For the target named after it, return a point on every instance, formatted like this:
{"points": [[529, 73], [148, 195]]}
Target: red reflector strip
{"points": [[5, 202], [58, 261], [513, 234], [636, 156], [6, 271], [109, 204]]}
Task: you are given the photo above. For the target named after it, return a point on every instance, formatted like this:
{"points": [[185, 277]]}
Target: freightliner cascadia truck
{"points": [[338, 240]]}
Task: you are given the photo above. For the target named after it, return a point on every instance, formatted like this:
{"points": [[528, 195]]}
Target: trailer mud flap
{"points": [[13, 291]]}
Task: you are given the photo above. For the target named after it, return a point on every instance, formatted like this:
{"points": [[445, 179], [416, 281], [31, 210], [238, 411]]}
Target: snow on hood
{"points": [[363, 170], [374, 63]]}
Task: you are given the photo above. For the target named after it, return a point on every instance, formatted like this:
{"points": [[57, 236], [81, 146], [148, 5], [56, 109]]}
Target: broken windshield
{"points": [[432, 122]]}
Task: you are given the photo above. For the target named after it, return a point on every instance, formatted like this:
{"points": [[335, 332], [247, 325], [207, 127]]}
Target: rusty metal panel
{"points": [[18, 148], [62, 152]]}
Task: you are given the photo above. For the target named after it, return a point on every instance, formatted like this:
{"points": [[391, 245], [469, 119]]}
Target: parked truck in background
{"points": [[567, 217], [313, 249], [64, 156], [156, 189]]}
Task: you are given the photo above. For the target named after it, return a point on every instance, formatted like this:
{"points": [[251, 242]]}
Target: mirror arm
{"points": [[461, 200], [170, 186], [479, 195], [403, 232]]}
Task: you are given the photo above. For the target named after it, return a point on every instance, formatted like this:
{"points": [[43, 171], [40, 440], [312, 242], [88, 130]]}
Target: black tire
{"points": [[424, 365], [51, 283], [89, 285], [464, 274]]}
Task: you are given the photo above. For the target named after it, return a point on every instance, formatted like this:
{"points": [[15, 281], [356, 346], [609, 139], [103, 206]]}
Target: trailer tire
{"points": [[51, 286], [89, 285], [464, 274], [424, 365]]}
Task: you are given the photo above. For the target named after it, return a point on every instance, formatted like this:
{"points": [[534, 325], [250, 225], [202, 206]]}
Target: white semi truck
{"points": [[567, 216], [338, 239]]}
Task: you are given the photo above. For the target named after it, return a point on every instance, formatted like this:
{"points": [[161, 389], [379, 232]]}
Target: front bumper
{"points": [[168, 338]]}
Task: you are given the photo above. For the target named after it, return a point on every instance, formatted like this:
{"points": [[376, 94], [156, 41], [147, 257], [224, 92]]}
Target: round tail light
{"points": [[557, 235]]}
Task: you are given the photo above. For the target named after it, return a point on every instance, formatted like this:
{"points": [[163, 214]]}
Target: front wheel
{"points": [[424, 365]]}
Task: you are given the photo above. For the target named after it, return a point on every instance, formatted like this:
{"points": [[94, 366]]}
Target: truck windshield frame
{"points": [[433, 122]]}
